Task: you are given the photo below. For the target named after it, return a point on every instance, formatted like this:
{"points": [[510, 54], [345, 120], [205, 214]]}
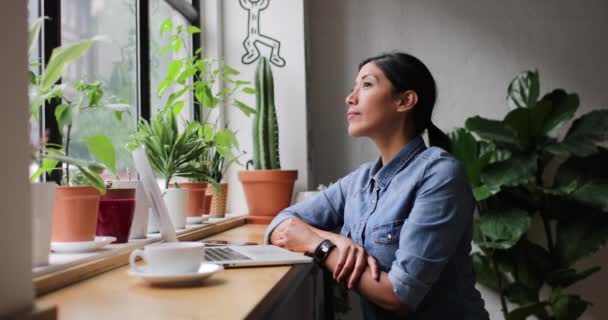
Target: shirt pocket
{"points": [[387, 233]]}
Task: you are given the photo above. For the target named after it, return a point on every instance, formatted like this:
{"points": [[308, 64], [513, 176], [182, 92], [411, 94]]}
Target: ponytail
{"points": [[438, 138]]}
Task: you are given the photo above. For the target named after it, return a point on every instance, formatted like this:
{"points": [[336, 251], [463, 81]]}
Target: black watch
{"points": [[322, 251]]}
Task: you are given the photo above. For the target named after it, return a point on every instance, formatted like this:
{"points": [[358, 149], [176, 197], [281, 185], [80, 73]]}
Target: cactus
{"points": [[265, 127]]}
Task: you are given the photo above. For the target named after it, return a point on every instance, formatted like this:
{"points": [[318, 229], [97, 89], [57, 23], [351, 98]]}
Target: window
{"points": [[113, 61]]}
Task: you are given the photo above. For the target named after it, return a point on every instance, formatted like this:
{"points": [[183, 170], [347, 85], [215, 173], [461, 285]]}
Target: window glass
{"points": [[112, 61], [159, 12]]}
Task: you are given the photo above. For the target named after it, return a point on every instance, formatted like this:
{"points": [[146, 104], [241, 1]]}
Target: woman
{"points": [[405, 219]]}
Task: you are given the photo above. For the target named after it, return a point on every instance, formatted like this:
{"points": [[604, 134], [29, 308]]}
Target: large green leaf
{"points": [[523, 312], [583, 138], [464, 147], [581, 235], [485, 272], [517, 170], [34, 33], [61, 57], [523, 91], [567, 307], [101, 147], [563, 108], [492, 130], [567, 276], [584, 180], [519, 120], [502, 229]]}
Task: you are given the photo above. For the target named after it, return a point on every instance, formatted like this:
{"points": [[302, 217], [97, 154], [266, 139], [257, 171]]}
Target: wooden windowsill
{"points": [[66, 269], [235, 293]]}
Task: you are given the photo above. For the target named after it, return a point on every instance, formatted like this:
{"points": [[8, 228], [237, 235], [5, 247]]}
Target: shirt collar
{"points": [[383, 175]]}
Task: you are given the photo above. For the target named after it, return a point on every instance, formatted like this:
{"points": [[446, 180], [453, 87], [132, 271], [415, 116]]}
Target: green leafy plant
{"points": [[265, 126], [44, 88], [193, 73], [169, 151], [523, 175]]}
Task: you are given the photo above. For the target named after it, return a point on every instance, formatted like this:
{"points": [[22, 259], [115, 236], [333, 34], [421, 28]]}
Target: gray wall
{"points": [[474, 48]]}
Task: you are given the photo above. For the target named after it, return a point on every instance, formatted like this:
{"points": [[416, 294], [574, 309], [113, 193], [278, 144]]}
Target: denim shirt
{"points": [[415, 216]]}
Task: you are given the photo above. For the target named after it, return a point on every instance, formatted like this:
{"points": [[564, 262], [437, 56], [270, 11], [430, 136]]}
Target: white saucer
{"points": [[81, 246], [205, 270], [196, 220]]}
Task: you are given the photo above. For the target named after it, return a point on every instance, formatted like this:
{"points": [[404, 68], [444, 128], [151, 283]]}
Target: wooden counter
{"points": [[232, 294]]}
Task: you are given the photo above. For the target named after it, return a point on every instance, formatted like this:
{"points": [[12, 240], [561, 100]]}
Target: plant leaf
{"points": [[514, 171], [567, 307], [523, 91], [61, 57], [244, 108], [563, 108], [584, 233], [193, 30], [584, 136], [492, 130], [567, 276], [503, 228], [102, 148], [523, 312]]}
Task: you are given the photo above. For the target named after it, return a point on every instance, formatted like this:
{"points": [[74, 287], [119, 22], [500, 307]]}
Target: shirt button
{"points": [[389, 236], [373, 201]]}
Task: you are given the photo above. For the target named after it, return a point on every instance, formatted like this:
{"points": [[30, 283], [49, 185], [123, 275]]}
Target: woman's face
{"points": [[372, 108]]}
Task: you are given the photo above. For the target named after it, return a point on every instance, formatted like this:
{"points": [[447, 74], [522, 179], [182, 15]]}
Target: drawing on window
{"points": [[254, 7]]}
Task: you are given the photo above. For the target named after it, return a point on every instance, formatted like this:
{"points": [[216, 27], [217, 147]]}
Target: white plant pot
{"points": [[152, 221], [176, 201], [139, 227], [42, 199]]}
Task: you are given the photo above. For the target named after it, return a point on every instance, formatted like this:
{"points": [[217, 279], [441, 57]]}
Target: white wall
{"points": [[16, 291], [282, 20], [473, 48]]}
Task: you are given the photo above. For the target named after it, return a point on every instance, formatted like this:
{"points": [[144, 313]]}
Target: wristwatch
{"points": [[322, 251]]}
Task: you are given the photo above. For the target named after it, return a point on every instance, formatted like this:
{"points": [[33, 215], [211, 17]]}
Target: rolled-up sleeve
{"points": [[442, 211], [324, 211]]}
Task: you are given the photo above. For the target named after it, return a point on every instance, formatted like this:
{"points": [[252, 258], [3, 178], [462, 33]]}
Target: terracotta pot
{"points": [[116, 209], [218, 200], [208, 201], [196, 197], [75, 214], [267, 192]]}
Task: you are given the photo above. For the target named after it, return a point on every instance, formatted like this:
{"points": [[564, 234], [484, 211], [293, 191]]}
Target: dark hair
{"points": [[406, 72]]}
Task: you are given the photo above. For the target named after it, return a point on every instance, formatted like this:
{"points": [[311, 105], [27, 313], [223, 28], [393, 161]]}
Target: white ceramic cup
{"points": [[176, 201], [139, 227], [42, 199], [169, 258]]}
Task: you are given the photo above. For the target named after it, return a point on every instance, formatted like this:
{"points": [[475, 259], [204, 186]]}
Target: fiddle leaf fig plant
{"points": [[524, 174]]}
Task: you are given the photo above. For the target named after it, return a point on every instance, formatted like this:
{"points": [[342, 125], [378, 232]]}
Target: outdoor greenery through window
{"points": [[107, 70]]}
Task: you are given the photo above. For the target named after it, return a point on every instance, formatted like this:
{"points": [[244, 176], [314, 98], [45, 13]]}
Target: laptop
{"points": [[255, 255]]}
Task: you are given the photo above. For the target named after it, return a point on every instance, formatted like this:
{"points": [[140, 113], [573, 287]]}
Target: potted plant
{"points": [[204, 73], [170, 153], [76, 200], [268, 189], [524, 175]]}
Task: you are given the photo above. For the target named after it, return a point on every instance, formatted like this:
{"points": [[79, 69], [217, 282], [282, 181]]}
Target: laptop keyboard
{"points": [[223, 254]]}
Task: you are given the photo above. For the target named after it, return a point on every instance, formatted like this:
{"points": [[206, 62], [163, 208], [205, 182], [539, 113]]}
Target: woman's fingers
{"points": [[341, 261], [373, 265], [348, 265], [360, 264]]}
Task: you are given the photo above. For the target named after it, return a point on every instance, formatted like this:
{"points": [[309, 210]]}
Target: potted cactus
{"points": [[268, 189]]}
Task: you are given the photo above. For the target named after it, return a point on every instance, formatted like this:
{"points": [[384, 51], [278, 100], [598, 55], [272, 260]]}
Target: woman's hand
{"points": [[352, 262], [295, 235]]}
